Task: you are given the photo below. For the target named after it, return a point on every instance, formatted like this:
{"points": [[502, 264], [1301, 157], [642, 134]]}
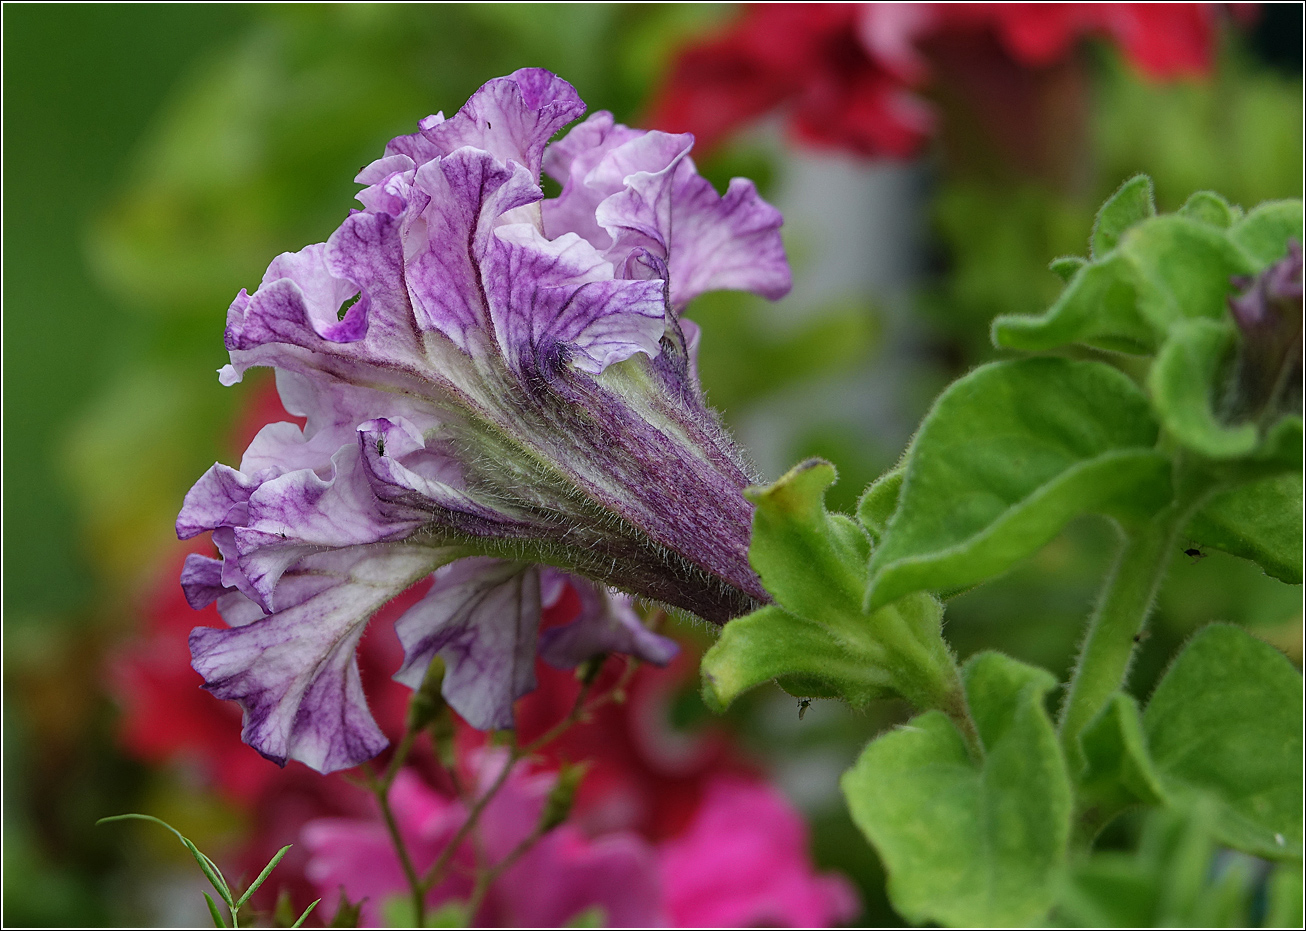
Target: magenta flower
{"points": [[742, 861], [485, 374]]}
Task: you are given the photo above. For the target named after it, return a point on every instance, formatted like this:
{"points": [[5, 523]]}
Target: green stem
{"points": [[1121, 613], [381, 788], [925, 672]]}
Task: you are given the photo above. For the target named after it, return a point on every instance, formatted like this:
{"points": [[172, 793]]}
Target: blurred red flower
{"points": [[845, 75]]}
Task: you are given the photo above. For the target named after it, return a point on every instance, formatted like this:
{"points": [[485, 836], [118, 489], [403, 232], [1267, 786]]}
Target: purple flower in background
{"points": [[493, 383]]}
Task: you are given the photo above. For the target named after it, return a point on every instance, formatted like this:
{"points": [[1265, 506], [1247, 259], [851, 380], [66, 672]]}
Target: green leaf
{"points": [[267, 870], [207, 866], [1226, 722], [1209, 207], [818, 641], [1260, 521], [1150, 272], [1065, 266], [878, 503], [1118, 772], [1129, 205], [815, 662], [967, 843], [813, 562], [213, 911], [1099, 307], [1281, 451], [1184, 267], [1285, 897], [299, 922], [1008, 456], [1264, 233], [1182, 384], [1176, 878]]}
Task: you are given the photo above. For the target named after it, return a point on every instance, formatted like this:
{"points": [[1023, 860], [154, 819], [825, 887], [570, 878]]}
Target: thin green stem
{"points": [[580, 709], [925, 671], [380, 787], [1122, 610], [437, 870], [486, 878]]}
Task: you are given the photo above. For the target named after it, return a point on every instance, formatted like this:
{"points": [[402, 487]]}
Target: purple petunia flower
{"points": [[493, 383]]}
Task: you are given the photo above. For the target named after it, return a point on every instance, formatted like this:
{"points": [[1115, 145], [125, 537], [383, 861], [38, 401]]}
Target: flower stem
{"points": [[579, 711], [380, 787], [1121, 613], [487, 877]]}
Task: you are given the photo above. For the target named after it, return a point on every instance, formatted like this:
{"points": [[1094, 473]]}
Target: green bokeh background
{"points": [[157, 156]]}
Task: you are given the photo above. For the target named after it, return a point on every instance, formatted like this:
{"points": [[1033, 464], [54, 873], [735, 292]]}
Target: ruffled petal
{"points": [[294, 673], [300, 512], [556, 302], [482, 617], [291, 322], [324, 294], [219, 498], [606, 624], [628, 190], [469, 190], [724, 243], [512, 118], [201, 580]]}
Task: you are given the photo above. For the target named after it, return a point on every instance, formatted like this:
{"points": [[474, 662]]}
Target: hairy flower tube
{"points": [[493, 382]]}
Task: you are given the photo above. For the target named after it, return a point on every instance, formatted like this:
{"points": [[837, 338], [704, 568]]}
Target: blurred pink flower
{"points": [[742, 860], [562, 875]]}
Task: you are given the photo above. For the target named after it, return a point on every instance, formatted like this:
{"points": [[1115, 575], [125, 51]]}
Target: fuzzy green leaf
{"points": [[811, 561], [817, 640], [1260, 521], [1148, 272], [1130, 204], [1176, 878], [1264, 233], [1065, 267], [1226, 722], [1209, 207], [1184, 268], [1182, 383], [878, 503], [967, 843], [816, 660], [1118, 771], [1008, 456], [1099, 307]]}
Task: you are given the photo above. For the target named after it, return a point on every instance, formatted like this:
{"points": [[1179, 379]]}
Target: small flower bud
{"points": [[589, 670], [563, 795], [427, 703], [1268, 312]]}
